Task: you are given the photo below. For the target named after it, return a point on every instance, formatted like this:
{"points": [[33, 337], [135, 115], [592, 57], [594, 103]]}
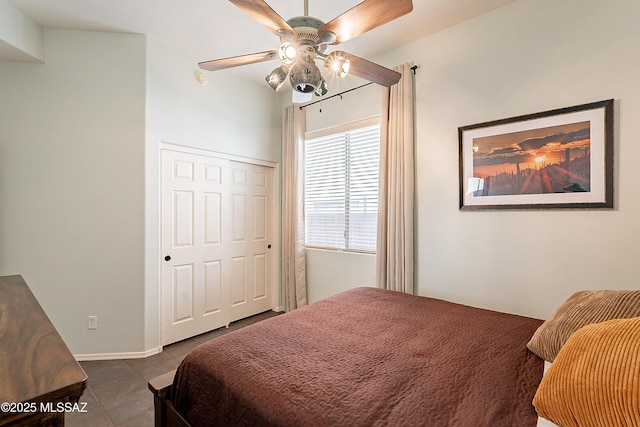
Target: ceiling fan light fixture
{"points": [[300, 98], [287, 53], [322, 89], [337, 64], [345, 64], [305, 76], [275, 79]]}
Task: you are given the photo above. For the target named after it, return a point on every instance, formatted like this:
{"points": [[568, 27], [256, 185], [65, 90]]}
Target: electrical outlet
{"points": [[93, 322]]}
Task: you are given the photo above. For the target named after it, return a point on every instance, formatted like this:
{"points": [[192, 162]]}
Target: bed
{"points": [[364, 357]]}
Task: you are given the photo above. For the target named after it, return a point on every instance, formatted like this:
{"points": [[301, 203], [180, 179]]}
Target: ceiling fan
{"points": [[303, 39]]}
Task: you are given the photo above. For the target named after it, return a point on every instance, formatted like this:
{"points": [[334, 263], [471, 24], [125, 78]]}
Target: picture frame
{"points": [[555, 159]]}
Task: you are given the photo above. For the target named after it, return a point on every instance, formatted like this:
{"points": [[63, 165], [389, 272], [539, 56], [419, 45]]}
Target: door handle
{"points": [[167, 258], [268, 246]]}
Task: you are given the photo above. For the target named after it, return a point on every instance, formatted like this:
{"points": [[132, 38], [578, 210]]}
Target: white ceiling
{"points": [[211, 29]]}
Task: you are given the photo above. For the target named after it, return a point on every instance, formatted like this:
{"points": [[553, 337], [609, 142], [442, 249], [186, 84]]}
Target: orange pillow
{"points": [[595, 379]]}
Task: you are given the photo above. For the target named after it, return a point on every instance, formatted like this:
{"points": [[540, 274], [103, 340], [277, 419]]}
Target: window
{"points": [[341, 187]]}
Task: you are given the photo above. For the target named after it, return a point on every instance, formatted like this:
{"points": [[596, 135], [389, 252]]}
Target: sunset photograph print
{"points": [[553, 159]]}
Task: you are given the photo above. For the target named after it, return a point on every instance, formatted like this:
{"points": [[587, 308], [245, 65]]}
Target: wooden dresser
{"points": [[40, 379]]}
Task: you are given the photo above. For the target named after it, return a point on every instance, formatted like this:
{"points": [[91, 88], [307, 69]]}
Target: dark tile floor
{"points": [[118, 396]]}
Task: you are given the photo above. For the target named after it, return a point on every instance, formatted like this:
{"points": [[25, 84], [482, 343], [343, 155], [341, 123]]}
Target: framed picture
{"points": [[555, 159]]}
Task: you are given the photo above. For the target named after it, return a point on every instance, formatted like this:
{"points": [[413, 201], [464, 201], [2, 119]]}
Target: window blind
{"points": [[341, 189]]}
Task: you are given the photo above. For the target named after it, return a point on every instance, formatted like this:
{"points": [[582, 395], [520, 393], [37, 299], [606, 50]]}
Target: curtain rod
{"points": [[414, 68], [333, 96]]}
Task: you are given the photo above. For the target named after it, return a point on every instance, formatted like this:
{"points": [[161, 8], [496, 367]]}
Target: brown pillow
{"points": [[595, 380], [581, 309]]}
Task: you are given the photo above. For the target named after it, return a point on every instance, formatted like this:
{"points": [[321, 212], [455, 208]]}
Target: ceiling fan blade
{"points": [[264, 14], [371, 71], [364, 17], [236, 61]]}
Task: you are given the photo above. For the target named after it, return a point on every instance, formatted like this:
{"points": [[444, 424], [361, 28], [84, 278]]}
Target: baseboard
{"points": [[117, 356]]}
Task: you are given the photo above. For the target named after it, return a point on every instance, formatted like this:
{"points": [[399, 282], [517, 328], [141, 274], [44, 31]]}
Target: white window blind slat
{"points": [[341, 189]]}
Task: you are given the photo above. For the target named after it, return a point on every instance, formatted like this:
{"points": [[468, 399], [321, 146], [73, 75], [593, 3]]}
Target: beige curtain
{"points": [[294, 286], [394, 248]]}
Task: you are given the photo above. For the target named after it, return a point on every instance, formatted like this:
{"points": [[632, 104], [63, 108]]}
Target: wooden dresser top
{"points": [[35, 364]]}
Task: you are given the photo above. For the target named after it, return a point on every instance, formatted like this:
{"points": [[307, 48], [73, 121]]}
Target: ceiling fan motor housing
{"points": [[306, 28]]}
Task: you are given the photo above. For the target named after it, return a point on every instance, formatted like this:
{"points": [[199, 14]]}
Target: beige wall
{"points": [[530, 56], [72, 185]]}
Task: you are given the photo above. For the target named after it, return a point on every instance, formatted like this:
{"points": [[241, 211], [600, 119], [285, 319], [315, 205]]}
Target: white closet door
{"points": [[252, 252], [214, 269]]}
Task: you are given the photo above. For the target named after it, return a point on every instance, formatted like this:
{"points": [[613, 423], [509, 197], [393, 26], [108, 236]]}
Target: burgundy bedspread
{"points": [[366, 357]]}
